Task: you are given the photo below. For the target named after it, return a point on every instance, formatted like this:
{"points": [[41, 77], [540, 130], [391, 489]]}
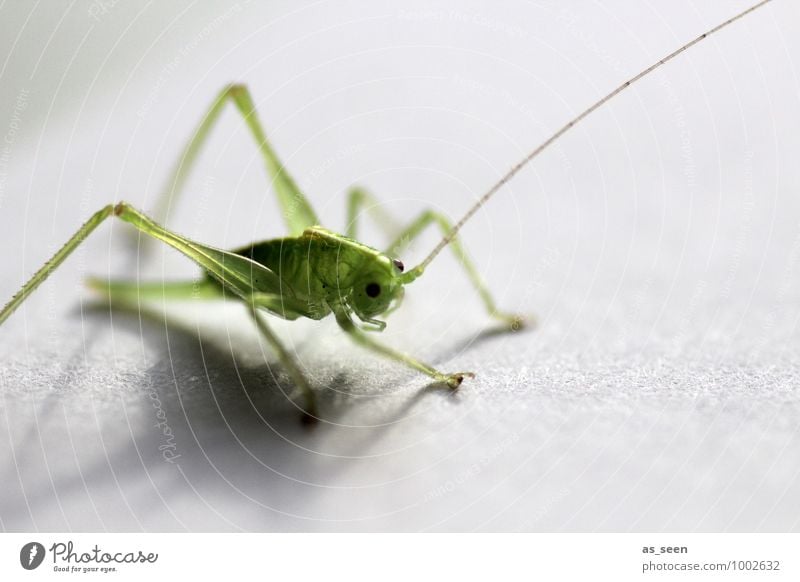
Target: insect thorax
{"points": [[317, 265]]}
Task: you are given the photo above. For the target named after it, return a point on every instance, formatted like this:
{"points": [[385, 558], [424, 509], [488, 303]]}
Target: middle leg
{"points": [[416, 228], [296, 209], [358, 198]]}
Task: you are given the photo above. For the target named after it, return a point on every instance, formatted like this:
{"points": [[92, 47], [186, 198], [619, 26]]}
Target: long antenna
{"points": [[547, 143]]}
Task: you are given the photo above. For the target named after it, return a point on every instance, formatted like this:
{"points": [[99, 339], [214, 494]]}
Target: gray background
{"points": [[657, 244]]}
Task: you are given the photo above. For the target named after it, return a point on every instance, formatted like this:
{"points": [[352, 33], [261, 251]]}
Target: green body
{"points": [[321, 269]]}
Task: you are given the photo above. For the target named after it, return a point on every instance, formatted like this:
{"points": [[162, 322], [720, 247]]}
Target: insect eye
{"points": [[373, 290], [399, 264]]}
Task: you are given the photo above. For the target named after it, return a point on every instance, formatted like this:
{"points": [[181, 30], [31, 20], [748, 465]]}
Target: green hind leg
{"points": [[133, 291], [38, 278], [297, 211], [238, 275], [233, 274]]}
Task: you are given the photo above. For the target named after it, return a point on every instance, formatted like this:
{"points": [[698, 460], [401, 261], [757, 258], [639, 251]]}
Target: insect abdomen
{"points": [[304, 267]]}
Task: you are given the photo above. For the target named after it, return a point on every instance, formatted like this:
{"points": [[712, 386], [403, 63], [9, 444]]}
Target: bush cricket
{"points": [[314, 272]]}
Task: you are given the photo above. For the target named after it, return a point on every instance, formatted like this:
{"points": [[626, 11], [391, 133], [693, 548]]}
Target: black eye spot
{"points": [[373, 290], [399, 264]]}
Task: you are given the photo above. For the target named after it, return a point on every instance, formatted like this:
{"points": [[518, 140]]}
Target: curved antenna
{"points": [[549, 141]]}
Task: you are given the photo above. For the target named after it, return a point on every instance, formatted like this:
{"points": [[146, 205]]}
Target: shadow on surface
{"points": [[260, 393], [235, 442]]}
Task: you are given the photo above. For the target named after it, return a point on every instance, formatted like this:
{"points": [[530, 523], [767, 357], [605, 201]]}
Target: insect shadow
{"points": [[250, 394]]}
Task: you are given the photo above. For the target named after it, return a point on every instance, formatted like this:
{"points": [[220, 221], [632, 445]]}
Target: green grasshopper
{"points": [[314, 272]]}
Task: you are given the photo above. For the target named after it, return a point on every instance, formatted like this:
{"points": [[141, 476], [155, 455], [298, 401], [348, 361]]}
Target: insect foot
{"points": [[515, 322], [455, 380], [309, 420]]}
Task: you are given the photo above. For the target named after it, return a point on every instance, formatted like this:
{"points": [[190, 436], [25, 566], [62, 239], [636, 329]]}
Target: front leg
{"points": [[361, 338]]}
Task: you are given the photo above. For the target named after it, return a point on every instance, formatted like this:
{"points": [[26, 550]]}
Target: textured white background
{"points": [[658, 245]]}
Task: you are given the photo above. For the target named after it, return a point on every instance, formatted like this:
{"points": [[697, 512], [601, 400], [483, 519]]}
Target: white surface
{"points": [[658, 244]]}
